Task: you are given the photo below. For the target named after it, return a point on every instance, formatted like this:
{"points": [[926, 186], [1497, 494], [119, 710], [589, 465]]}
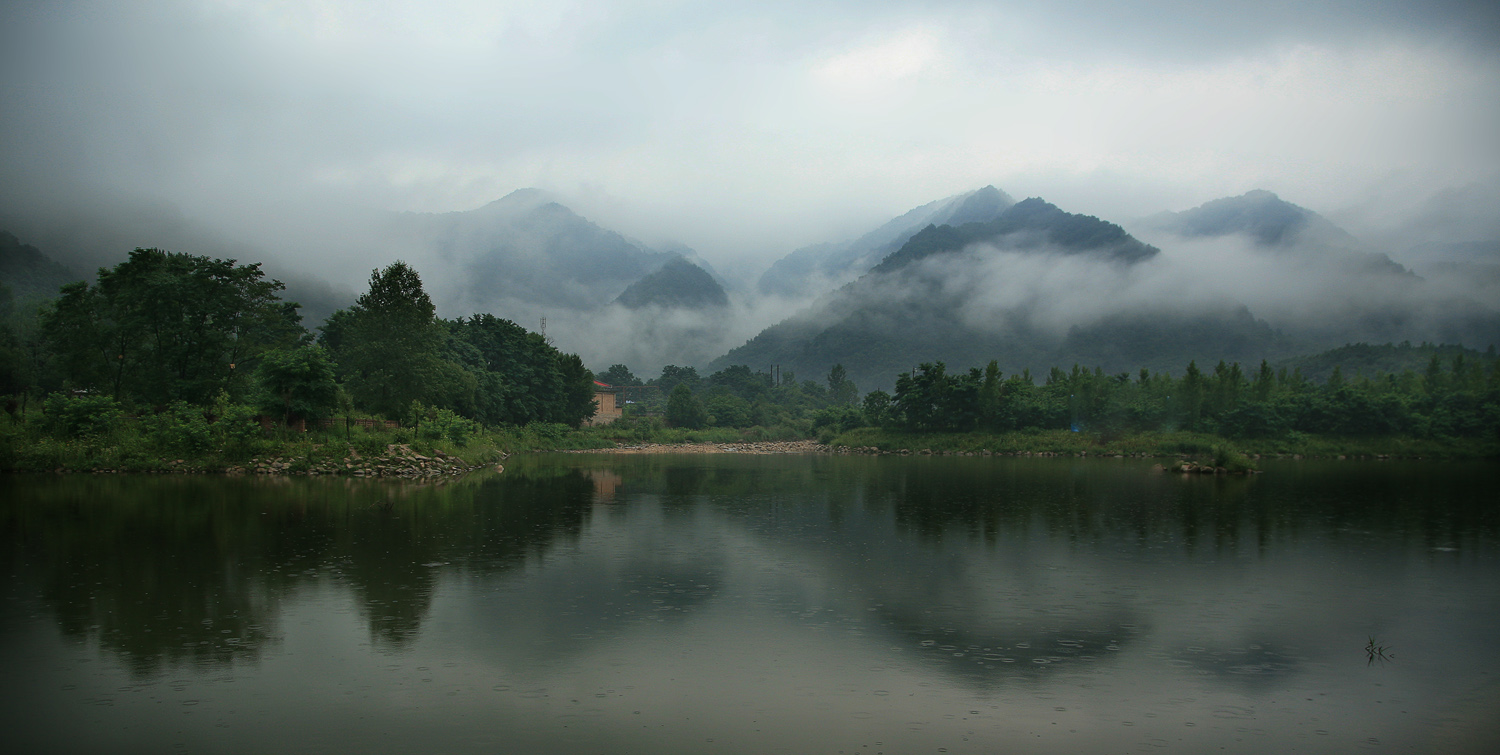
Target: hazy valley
{"points": [[971, 278]]}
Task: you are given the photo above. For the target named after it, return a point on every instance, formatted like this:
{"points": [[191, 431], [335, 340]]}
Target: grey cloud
{"points": [[220, 129]]}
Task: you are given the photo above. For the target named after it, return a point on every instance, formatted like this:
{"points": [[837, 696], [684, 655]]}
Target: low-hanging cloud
{"points": [[1324, 296]]}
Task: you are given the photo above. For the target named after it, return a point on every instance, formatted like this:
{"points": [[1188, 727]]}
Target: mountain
{"points": [[1259, 214], [1036, 286], [1273, 224], [814, 269], [1372, 360], [1030, 225], [526, 247], [28, 272], [960, 295], [1311, 279], [677, 284]]}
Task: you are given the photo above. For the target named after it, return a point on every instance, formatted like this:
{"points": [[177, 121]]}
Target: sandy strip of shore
{"points": [[763, 448]]}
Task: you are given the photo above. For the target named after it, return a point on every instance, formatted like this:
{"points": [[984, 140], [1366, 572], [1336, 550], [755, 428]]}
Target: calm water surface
{"points": [[768, 604]]}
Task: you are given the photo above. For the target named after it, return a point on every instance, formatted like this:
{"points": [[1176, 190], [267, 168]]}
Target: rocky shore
{"points": [[1191, 467], [399, 460], [807, 447], [761, 448]]}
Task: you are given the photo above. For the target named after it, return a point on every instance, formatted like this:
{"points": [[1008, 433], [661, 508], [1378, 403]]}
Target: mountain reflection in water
{"points": [[1122, 596]]}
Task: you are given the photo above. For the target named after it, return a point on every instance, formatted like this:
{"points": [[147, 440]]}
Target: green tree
{"points": [[13, 373], [739, 380], [388, 345], [164, 326], [841, 390], [932, 400], [577, 391], [298, 383], [877, 406], [672, 376], [727, 410], [992, 398], [521, 378], [684, 410], [1191, 391], [619, 374]]}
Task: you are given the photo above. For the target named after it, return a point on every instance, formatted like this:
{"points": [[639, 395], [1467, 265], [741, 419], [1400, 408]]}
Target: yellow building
{"points": [[607, 403]]}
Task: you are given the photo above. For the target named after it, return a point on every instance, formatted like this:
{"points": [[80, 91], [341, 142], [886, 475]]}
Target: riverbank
{"points": [[1160, 444], [401, 452], [764, 448]]}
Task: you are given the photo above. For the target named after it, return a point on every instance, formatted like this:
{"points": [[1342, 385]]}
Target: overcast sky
{"points": [[743, 129]]}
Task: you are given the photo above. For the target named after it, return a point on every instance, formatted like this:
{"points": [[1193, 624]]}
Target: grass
{"points": [[28, 446], [127, 446], [1175, 443]]}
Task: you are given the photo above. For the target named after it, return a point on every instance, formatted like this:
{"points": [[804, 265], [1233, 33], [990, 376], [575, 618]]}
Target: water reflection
{"points": [[1004, 580], [171, 570]]}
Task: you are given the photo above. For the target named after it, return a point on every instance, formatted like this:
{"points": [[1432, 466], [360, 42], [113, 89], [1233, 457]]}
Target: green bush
{"points": [[837, 419], [684, 410], [443, 423], [547, 431], [237, 428], [88, 416], [180, 428], [1231, 460]]}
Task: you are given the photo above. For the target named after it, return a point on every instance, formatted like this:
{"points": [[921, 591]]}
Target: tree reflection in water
{"points": [[947, 556], [169, 570]]}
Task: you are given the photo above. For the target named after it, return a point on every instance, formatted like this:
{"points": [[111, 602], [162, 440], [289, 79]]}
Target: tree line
{"points": [[1459, 398], [165, 329], [162, 332]]}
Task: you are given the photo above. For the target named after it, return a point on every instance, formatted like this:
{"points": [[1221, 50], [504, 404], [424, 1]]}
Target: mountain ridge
{"points": [[29, 272], [910, 306], [833, 264], [678, 284]]}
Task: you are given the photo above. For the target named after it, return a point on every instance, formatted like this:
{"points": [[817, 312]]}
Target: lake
{"points": [[728, 603]]}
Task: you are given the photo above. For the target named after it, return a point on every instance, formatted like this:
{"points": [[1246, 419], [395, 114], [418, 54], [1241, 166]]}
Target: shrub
{"points": [[1231, 460], [180, 428], [237, 427], [86, 416], [444, 423], [840, 419], [684, 410], [547, 431]]}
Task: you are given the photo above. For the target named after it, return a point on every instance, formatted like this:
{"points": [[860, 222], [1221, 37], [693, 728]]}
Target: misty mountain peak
{"points": [[1032, 224], [980, 206], [527, 248], [518, 202], [1259, 214], [677, 284], [827, 266]]}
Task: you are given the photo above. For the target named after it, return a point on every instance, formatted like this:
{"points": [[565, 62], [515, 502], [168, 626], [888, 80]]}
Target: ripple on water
{"points": [[1233, 711]]}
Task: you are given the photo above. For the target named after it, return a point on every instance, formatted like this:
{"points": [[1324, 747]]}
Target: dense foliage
{"points": [[181, 336], [163, 327], [182, 352], [1459, 399]]}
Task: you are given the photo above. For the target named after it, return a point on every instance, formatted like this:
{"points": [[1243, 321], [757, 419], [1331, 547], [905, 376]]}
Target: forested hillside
{"points": [[28, 273], [679, 284], [933, 297], [822, 267]]}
